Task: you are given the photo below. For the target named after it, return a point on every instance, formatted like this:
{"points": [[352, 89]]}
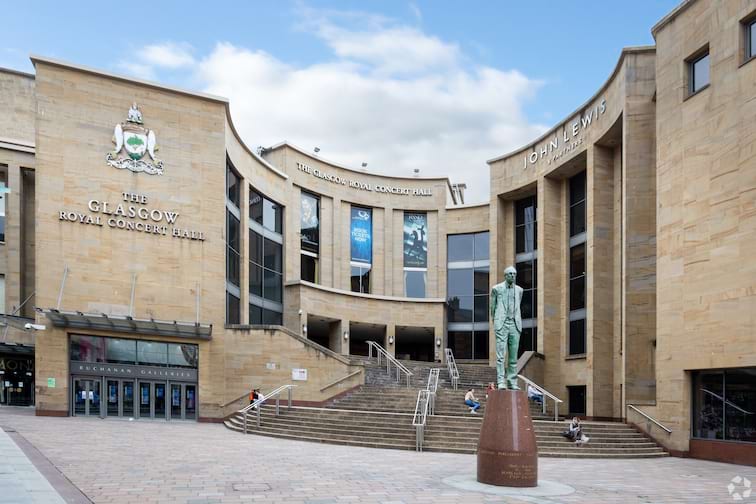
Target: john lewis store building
{"points": [[630, 224]]}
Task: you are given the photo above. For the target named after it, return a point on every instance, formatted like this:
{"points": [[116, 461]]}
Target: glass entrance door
{"points": [[112, 398], [176, 409], [86, 398], [159, 400], [183, 401], [145, 399], [127, 395]]}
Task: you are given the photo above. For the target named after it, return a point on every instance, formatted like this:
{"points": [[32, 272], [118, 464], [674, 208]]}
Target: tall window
{"points": [[2, 293], [749, 32], [361, 247], [310, 241], [415, 254], [467, 295], [698, 71], [724, 404], [3, 194], [265, 260], [577, 340], [233, 245], [526, 263]]}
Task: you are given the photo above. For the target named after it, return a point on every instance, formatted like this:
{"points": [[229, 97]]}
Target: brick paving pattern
{"points": [[117, 461]]}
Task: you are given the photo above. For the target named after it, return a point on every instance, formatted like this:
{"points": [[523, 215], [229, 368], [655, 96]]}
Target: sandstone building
{"points": [[152, 264]]}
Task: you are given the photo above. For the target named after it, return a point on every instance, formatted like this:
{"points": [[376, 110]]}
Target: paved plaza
{"points": [[117, 461]]}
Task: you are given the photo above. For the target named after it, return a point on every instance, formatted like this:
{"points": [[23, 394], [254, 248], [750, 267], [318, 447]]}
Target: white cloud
{"points": [[167, 55], [416, 12], [391, 96]]}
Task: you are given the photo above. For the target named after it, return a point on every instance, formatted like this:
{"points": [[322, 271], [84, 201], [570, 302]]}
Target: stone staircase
{"points": [[379, 414]]}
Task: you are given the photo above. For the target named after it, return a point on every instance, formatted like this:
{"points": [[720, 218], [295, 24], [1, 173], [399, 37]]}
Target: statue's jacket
{"points": [[498, 310]]}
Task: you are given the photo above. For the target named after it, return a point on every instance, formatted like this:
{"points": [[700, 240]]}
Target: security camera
{"points": [[35, 327]]}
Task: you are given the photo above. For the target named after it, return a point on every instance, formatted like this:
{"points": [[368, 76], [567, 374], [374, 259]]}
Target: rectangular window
{"points": [[183, 355], [3, 194], [232, 309], [2, 294], [152, 353], [233, 185], [724, 404], [120, 351], [233, 244], [528, 341], [698, 72], [233, 241], [467, 291], [265, 259], [360, 278], [526, 250], [577, 337], [414, 283], [576, 400], [751, 31], [309, 269]]}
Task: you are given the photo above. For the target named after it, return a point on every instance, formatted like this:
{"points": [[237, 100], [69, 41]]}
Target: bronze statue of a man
{"points": [[505, 312]]}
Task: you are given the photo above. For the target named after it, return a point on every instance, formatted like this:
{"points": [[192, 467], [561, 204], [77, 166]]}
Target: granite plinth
{"points": [[507, 451]]}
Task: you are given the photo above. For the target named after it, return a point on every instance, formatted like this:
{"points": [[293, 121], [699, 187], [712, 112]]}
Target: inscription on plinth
{"points": [[507, 451]]}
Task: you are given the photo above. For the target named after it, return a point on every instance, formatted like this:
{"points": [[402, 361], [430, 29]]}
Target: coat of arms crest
{"points": [[132, 141]]}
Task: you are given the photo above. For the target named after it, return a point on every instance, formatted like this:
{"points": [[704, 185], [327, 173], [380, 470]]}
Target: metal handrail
{"points": [[451, 365], [339, 380], [545, 393], [258, 404], [432, 388], [650, 419], [380, 353], [421, 417]]}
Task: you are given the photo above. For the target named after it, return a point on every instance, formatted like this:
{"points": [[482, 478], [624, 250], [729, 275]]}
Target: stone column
{"points": [[600, 280]]}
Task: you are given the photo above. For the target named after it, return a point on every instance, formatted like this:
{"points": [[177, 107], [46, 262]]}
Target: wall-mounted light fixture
{"points": [[304, 329], [346, 335], [391, 340], [438, 342], [300, 312]]}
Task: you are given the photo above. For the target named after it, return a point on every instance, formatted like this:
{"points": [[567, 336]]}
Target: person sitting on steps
{"points": [[471, 401]]}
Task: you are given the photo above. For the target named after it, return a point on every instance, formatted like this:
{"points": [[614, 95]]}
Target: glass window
{"points": [[152, 353], [577, 218], [525, 211], [232, 309], [271, 317], [255, 280], [459, 248], [87, 348], [460, 282], [183, 355], [528, 341], [255, 206], [361, 279], [255, 314], [120, 351], [310, 222], [309, 269], [272, 216], [272, 285], [577, 293], [232, 185], [699, 73], [480, 345], [481, 312], [526, 306], [577, 337], [480, 276], [460, 343], [525, 274], [481, 246], [751, 46], [2, 293], [577, 188], [273, 255], [414, 284], [740, 404], [460, 309], [577, 261], [255, 247], [233, 249], [2, 211], [708, 409]]}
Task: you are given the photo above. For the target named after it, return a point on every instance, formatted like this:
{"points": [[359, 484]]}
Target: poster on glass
{"points": [[415, 240], [362, 235]]}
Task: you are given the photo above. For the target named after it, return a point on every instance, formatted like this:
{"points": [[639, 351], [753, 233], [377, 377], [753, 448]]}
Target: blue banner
{"points": [[361, 233]]}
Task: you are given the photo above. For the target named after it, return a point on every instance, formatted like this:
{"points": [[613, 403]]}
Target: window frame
{"points": [[690, 64], [748, 26], [577, 240]]}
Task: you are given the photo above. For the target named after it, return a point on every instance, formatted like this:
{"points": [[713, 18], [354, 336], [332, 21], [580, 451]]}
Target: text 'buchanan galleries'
{"points": [[132, 215], [363, 186]]}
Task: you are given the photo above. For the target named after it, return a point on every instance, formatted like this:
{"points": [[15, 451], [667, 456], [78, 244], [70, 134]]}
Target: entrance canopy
{"points": [[127, 324]]}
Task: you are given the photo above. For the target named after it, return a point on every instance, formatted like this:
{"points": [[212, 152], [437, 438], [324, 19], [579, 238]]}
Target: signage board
{"points": [[361, 235], [415, 240], [299, 374]]}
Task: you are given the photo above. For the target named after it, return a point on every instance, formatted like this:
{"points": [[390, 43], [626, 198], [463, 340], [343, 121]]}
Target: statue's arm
{"points": [[493, 303]]}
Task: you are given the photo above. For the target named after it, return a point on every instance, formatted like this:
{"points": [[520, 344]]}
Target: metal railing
{"points": [[339, 380], [545, 393], [451, 365], [650, 420], [432, 388], [381, 354], [421, 416], [257, 405]]}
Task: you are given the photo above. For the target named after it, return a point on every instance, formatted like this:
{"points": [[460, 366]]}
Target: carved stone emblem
{"points": [[132, 141]]}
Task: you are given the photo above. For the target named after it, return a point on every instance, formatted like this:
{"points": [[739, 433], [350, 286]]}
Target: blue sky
{"points": [[440, 86]]}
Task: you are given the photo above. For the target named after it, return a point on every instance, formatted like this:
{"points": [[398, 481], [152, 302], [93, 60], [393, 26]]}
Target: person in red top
{"points": [[491, 387], [253, 395]]}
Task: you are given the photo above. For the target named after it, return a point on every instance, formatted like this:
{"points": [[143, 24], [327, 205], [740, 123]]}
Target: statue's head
{"points": [[510, 274]]}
